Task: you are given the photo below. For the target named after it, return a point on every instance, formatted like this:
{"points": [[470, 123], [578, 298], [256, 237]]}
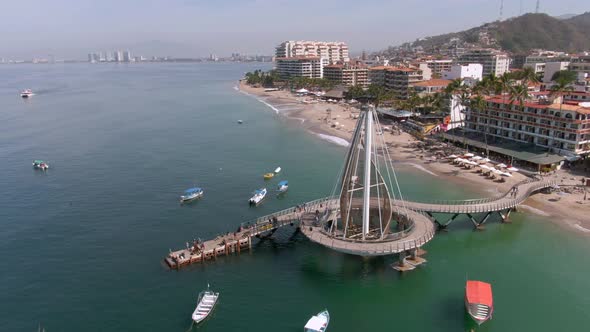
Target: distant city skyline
{"points": [[191, 28]]}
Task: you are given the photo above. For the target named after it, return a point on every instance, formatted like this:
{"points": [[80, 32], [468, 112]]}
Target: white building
{"points": [[553, 67], [470, 73], [118, 56], [301, 66], [332, 51], [493, 61]]}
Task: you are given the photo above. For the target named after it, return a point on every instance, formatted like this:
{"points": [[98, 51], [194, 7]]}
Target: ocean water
{"points": [[82, 244]]}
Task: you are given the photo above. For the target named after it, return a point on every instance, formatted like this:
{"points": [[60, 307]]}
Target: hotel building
{"points": [[348, 74], [563, 128], [301, 66], [333, 51], [493, 62]]}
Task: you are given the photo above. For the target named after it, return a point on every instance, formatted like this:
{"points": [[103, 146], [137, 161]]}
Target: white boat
{"points": [[192, 193], [283, 186], [40, 164], [258, 196], [277, 170], [240, 121], [206, 304], [318, 323], [27, 93]]}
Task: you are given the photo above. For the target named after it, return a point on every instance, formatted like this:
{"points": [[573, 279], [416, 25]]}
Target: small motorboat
{"points": [[40, 164], [191, 193], [206, 304], [479, 301], [318, 323], [283, 186], [277, 170], [27, 93], [268, 176], [240, 121], [259, 195]]}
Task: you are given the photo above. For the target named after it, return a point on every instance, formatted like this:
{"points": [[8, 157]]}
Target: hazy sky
{"points": [[73, 28]]}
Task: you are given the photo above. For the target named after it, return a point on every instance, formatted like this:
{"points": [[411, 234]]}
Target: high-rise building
{"points": [[493, 61], [118, 56], [302, 66], [127, 56], [348, 74], [438, 66], [332, 51], [470, 73]]}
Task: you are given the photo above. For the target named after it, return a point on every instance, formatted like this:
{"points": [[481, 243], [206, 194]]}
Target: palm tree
{"points": [[355, 92], [528, 75], [563, 83], [520, 94], [479, 103], [504, 84]]}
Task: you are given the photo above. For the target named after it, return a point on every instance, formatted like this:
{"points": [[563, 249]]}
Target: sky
{"points": [[194, 28]]}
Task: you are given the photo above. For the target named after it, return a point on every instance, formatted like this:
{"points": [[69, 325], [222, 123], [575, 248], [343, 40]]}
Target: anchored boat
{"points": [[268, 176], [283, 186], [259, 195], [40, 164], [191, 193], [479, 301], [26, 93], [206, 304], [277, 170], [318, 323]]}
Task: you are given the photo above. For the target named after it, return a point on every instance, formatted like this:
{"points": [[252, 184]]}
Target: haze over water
{"points": [[82, 244]]}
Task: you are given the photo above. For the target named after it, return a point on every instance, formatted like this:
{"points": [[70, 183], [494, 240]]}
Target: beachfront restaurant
{"points": [[524, 156]]}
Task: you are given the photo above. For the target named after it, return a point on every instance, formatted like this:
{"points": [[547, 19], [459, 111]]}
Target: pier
{"points": [[305, 216]]}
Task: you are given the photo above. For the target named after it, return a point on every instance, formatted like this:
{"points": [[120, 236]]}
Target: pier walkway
{"points": [[305, 215]]}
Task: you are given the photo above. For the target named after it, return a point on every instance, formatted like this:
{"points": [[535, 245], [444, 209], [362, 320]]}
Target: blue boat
{"points": [[190, 194], [283, 186]]}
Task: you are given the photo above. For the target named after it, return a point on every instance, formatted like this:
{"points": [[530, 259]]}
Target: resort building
{"points": [[397, 79], [301, 66], [493, 61], [470, 73], [332, 51], [559, 127], [348, 74]]}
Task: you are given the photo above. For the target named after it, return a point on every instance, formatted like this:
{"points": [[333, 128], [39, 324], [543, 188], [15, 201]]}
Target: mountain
{"points": [[519, 34]]}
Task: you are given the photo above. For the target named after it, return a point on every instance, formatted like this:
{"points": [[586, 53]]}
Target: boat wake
{"points": [[334, 139], [420, 167]]}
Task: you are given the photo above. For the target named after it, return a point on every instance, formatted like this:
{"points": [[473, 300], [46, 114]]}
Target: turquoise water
{"points": [[82, 244]]}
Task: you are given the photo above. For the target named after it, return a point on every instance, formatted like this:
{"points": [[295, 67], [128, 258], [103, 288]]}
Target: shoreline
{"points": [[563, 210]]}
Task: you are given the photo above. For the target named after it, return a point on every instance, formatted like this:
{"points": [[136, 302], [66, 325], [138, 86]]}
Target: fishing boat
{"points": [[40, 164], [318, 323], [479, 301], [240, 121], [277, 170], [191, 193], [26, 93], [268, 176], [206, 304], [258, 196], [283, 186]]}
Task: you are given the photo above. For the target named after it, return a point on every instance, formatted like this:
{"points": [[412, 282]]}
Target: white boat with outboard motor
{"points": [[318, 323], [259, 195], [205, 305]]}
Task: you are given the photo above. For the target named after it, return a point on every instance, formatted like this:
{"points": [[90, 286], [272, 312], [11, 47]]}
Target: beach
{"points": [[335, 122]]}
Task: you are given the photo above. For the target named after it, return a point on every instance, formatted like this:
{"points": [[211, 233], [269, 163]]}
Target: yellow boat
{"points": [[269, 176]]}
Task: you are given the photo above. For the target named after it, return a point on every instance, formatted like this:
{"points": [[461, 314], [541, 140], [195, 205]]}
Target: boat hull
{"points": [[184, 199]]}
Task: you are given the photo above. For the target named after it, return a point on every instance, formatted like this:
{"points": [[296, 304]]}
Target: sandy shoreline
{"points": [[338, 127]]}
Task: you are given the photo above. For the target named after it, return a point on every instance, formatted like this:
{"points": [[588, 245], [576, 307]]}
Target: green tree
{"points": [[355, 91], [378, 94]]}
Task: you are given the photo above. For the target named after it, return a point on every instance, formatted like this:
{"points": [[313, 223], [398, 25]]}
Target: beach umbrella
{"points": [[506, 174], [496, 171], [476, 158], [486, 160], [469, 154], [501, 165], [452, 156], [485, 167], [513, 169]]}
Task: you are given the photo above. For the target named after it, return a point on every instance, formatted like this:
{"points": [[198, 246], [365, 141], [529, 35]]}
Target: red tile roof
{"points": [[433, 82]]}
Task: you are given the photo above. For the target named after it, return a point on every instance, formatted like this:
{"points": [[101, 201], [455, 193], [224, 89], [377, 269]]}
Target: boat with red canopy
{"points": [[479, 301]]}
